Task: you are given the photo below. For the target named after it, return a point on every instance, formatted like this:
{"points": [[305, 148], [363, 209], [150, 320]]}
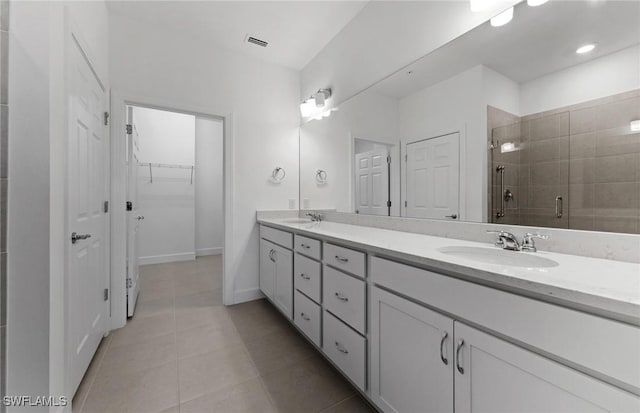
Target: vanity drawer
{"points": [[308, 246], [344, 296], [307, 276], [307, 317], [345, 259], [276, 236], [346, 348]]}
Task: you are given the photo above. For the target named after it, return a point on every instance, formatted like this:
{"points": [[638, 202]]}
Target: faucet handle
{"points": [[500, 241], [527, 241]]}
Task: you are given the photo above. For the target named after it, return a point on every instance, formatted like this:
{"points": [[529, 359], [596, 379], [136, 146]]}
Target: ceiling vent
{"points": [[256, 41]]}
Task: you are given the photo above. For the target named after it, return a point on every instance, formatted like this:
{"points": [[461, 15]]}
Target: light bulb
{"points": [[502, 18], [536, 3], [586, 48]]}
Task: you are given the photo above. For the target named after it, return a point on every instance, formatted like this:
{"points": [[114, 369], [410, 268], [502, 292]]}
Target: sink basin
{"points": [[295, 221], [499, 257]]}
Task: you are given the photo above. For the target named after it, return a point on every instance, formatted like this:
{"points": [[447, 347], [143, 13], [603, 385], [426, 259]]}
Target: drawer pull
{"points": [[342, 259], [305, 317], [341, 348], [442, 341], [341, 297], [271, 254], [305, 246], [458, 366], [305, 276]]}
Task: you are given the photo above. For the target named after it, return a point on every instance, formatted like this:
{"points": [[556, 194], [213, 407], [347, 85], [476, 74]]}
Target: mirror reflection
{"points": [[536, 122]]}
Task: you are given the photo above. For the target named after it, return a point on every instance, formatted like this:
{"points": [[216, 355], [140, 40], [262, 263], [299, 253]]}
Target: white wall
{"points": [[37, 165], [386, 36], [153, 64], [608, 75], [167, 232], [209, 187]]}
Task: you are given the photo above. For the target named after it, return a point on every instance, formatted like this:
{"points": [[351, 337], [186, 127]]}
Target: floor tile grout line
{"points": [[338, 402]]}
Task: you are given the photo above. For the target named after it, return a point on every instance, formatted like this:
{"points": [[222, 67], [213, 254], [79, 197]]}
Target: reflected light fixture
{"points": [[507, 147], [536, 3], [502, 18], [314, 106], [585, 48], [635, 125]]}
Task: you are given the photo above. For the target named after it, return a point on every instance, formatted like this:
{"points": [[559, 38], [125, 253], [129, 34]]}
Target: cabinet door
{"points": [[411, 356], [267, 268], [283, 293], [493, 375]]}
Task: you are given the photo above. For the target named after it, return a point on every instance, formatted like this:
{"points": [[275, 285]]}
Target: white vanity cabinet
{"points": [[411, 356], [492, 375], [276, 270]]}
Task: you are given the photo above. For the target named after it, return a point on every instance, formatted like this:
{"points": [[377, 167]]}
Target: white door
{"points": [[493, 375], [133, 217], [372, 182], [283, 291], [267, 268], [433, 172], [87, 222], [411, 356]]}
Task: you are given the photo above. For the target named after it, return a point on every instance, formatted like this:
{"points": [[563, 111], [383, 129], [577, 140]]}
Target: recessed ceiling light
{"points": [[585, 48], [535, 3], [502, 18]]}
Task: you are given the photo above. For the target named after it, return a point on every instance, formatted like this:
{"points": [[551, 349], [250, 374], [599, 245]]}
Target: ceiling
{"points": [[296, 30], [538, 41]]}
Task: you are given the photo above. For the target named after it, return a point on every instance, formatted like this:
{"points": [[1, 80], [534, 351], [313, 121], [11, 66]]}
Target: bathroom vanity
{"points": [[417, 323]]}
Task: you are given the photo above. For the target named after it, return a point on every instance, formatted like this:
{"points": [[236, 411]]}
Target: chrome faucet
{"points": [[508, 241], [315, 216]]}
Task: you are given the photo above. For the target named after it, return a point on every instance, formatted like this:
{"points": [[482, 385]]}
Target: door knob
{"points": [[75, 237], [452, 216], [140, 217]]}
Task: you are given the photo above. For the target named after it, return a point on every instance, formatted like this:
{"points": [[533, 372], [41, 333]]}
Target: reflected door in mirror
{"points": [[433, 185], [372, 182]]}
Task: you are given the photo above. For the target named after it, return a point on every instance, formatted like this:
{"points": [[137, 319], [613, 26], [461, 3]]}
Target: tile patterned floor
{"points": [[186, 352]]}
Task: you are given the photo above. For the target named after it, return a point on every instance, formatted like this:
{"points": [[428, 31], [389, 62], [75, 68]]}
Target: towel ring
{"points": [[321, 177], [278, 174]]}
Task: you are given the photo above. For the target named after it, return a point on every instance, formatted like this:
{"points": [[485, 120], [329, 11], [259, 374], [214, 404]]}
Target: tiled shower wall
{"points": [[4, 136], [586, 154]]}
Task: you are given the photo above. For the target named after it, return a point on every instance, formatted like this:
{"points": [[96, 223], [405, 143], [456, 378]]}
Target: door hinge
{"points": [[129, 283], [129, 206], [106, 118], [105, 206], [388, 159], [389, 204], [405, 204], [106, 294], [406, 157], [129, 129]]}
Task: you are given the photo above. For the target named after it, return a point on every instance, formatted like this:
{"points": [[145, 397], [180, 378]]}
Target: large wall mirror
{"points": [[509, 124]]}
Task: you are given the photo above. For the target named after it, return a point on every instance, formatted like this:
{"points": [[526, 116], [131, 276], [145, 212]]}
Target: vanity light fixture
{"points": [[635, 125], [502, 18], [507, 147], [536, 3], [313, 106], [585, 48]]}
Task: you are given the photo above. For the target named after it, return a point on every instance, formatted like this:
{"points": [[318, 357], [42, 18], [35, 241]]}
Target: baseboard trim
{"points": [[249, 294], [209, 251], [161, 259]]}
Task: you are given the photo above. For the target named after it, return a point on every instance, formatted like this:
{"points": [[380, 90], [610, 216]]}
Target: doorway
{"points": [[174, 202]]}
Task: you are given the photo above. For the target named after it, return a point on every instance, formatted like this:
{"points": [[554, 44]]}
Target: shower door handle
{"points": [[558, 207], [500, 170]]}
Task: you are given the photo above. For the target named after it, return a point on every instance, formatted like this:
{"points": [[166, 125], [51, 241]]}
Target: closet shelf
{"points": [[152, 165]]}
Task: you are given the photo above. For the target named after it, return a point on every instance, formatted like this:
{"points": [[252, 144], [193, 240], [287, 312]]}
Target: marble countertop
{"points": [[603, 287]]}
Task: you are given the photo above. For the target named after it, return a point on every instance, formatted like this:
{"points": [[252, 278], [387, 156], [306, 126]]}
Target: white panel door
{"points": [[495, 376], [411, 356], [433, 178], [133, 217], [87, 221], [372, 182]]}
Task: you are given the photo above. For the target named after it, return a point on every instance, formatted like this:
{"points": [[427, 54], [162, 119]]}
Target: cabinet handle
{"points": [[341, 349], [304, 317], [442, 341], [458, 366], [271, 254], [305, 246], [341, 297], [305, 276], [342, 259]]}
